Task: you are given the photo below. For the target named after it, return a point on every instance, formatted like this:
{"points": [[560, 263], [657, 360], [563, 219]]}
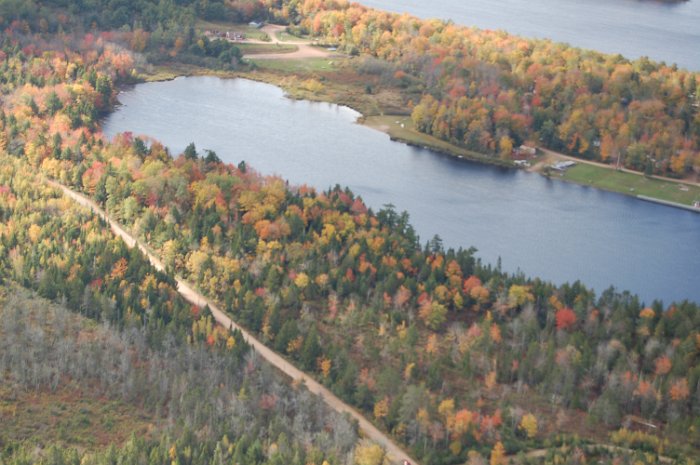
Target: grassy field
{"points": [[284, 36], [256, 49], [303, 65], [632, 184]]}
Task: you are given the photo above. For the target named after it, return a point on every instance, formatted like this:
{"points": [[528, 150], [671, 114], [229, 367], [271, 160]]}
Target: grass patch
{"points": [[284, 36], [172, 70], [632, 184], [401, 128], [301, 65], [257, 49], [249, 31]]}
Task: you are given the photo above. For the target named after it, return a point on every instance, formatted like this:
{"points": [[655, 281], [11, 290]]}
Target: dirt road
{"points": [[304, 47], [394, 452]]}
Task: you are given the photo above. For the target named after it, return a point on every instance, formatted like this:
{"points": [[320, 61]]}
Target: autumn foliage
{"points": [[565, 318], [490, 91], [422, 339]]}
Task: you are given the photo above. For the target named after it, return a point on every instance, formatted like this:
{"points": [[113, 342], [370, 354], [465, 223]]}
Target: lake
{"points": [[547, 228], [634, 28]]}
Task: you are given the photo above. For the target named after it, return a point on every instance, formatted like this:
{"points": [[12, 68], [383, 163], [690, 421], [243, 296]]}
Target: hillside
{"points": [[457, 360], [122, 366]]}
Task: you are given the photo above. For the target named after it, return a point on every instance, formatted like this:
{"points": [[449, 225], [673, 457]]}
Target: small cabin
{"points": [[524, 152]]}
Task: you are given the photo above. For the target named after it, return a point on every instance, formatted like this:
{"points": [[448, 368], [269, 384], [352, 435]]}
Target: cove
{"points": [[554, 230]]}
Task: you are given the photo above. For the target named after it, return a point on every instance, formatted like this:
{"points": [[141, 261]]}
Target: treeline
{"points": [[163, 31], [490, 92], [59, 15], [452, 357]]}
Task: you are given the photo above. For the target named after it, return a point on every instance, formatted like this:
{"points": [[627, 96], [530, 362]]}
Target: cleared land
{"points": [[249, 49], [632, 184], [304, 48]]}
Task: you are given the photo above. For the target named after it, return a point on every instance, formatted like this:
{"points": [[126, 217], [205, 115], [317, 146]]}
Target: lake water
{"points": [[552, 229], [634, 28]]}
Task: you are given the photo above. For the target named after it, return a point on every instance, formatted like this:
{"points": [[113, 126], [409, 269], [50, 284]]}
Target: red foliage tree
{"points": [[565, 318]]}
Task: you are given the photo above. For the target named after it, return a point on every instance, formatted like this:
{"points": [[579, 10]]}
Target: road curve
{"points": [[304, 47], [394, 452]]}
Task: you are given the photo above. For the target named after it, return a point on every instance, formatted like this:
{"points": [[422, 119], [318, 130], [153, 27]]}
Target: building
{"points": [[524, 152]]}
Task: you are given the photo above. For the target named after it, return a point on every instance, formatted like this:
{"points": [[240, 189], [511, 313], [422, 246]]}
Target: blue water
{"points": [[633, 28], [552, 229]]}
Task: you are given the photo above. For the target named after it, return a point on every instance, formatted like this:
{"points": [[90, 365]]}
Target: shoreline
{"points": [[669, 204], [400, 134]]}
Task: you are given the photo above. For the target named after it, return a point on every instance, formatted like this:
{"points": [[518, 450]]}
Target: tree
{"points": [[211, 157], [434, 314], [505, 147], [528, 424], [191, 152], [381, 408], [369, 454], [518, 295], [311, 349], [565, 318], [325, 365], [662, 365], [53, 104], [679, 390], [301, 280], [498, 454]]}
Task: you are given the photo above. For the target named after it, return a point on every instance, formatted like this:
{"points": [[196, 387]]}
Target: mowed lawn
{"points": [[297, 65], [632, 184], [257, 49]]}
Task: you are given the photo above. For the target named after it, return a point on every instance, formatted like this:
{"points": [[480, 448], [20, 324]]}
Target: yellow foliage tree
{"points": [[371, 454], [529, 425], [519, 295], [325, 365], [34, 232], [505, 147], [301, 280], [446, 409], [498, 455], [381, 408]]}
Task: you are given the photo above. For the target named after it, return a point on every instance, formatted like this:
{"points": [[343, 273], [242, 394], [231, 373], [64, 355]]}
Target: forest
{"points": [[120, 332], [490, 91], [457, 360]]}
